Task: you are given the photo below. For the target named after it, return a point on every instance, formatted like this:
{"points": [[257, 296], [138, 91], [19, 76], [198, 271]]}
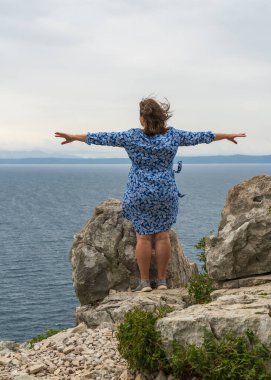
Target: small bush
{"points": [[138, 341], [38, 338], [201, 285], [201, 246], [232, 357]]}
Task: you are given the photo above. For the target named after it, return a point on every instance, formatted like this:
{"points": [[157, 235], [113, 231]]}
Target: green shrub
{"points": [[201, 285], [179, 365], [230, 358], [201, 246], [199, 288], [43, 336], [138, 341]]}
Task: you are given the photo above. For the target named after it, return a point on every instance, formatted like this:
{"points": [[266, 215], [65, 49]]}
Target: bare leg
{"points": [[143, 254], [162, 253]]}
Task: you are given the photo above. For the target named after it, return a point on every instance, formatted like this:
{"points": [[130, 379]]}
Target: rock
{"points": [[112, 309], [260, 291], [103, 256], [124, 375], [8, 345], [57, 371], [35, 368], [4, 360], [247, 281], [28, 377], [81, 328], [140, 377], [242, 248], [69, 349], [234, 311], [161, 376]]}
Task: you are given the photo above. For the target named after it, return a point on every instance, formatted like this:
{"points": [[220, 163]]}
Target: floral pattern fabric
{"points": [[151, 199]]}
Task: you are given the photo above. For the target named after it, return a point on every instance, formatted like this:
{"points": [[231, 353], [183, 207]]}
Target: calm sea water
{"points": [[43, 206]]}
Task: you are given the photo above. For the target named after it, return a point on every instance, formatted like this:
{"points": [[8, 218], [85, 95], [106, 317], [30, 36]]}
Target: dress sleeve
{"points": [[193, 138], [121, 139]]}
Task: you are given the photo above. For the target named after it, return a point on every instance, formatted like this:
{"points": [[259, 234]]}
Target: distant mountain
{"points": [[6, 154], [233, 159]]}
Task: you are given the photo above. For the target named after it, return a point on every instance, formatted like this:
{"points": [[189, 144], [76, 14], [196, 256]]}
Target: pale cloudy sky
{"points": [[76, 66]]}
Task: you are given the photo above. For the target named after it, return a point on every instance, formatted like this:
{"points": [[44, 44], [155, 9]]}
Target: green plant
{"points": [[201, 285], [179, 362], [199, 289], [43, 336], [138, 341], [200, 245], [230, 358]]}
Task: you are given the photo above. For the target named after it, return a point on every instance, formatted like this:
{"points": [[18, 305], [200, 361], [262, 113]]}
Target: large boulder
{"points": [[102, 256], [241, 251], [248, 307]]}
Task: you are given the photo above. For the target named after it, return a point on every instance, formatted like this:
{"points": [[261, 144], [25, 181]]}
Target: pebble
{"points": [[36, 368], [79, 353]]}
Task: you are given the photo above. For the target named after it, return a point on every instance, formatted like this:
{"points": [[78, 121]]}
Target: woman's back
{"points": [[152, 152]]}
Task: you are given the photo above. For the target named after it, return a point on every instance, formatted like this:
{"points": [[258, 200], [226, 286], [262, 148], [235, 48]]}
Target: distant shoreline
{"points": [[233, 159]]}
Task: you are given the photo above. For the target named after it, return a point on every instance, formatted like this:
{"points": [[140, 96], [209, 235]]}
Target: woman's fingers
{"points": [[64, 136], [233, 136], [241, 135], [59, 134]]}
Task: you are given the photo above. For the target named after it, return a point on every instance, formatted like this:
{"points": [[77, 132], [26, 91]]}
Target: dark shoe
{"points": [[144, 286], [161, 284]]}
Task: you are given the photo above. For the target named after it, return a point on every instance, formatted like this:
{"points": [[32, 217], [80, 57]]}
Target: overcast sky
{"points": [[78, 66]]}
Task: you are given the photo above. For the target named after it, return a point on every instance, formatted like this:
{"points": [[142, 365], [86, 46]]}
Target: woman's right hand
{"points": [[68, 138]]}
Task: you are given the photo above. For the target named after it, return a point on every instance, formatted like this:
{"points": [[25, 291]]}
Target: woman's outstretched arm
{"points": [[228, 136], [120, 139], [194, 138], [70, 138]]}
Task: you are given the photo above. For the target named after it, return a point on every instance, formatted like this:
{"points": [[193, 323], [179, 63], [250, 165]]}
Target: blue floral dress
{"points": [[151, 199]]}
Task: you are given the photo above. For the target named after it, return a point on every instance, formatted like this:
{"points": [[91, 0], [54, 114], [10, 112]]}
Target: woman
{"points": [[151, 198]]}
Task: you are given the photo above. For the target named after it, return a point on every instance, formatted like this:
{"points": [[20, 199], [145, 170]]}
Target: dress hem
{"points": [[155, 231]]}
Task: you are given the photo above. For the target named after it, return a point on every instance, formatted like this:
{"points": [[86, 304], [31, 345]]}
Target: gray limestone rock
{"points": [[242, 248], [112, 309], [103, 256], [257, 291], [232, 309]]}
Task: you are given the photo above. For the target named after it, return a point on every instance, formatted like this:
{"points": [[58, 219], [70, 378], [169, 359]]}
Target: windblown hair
{"points": [[155, 115]]}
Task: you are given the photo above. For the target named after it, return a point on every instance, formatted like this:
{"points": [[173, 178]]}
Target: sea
{"points": [[43, 206]]}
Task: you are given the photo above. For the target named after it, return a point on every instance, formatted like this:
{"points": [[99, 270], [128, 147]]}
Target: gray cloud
{"points": [[77, 66]]}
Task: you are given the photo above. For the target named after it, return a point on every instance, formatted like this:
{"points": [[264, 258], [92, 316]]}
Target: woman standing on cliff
{"points": [[151, 199]]}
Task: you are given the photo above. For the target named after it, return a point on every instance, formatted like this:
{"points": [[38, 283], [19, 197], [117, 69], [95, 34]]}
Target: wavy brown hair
{"points": [[155, 115]]}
